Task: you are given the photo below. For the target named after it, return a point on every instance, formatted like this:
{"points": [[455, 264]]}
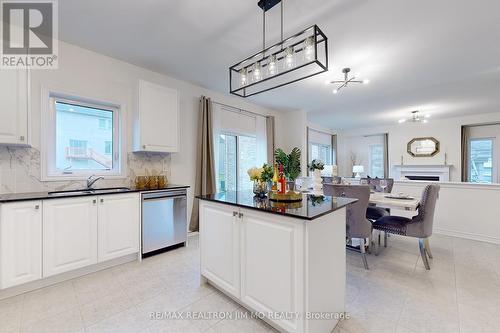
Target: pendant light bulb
{"points": [[243, 77], [289, 58], [257, 72], [309, 49], [272, 66]]}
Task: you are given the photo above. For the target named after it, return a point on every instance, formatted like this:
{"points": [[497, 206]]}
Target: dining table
{"points": [[394, 201]]}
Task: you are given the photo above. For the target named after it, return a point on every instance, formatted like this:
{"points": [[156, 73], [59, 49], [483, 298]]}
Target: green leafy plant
{"points": [[267, 173], [290, 162]]}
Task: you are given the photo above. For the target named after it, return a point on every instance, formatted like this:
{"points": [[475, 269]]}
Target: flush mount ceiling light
{"points": [[415, 118], [295, 58], [346, 81]]}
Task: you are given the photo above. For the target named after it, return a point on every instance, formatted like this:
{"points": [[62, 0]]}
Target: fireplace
{"points": [[433, 173], [426, 178]]}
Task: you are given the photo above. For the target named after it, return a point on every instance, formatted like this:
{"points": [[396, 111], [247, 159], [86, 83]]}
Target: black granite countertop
{"points": [[310, 208], [13, 197]]}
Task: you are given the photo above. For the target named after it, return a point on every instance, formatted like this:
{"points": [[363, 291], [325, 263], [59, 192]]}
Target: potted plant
{"points": [[316, 166], [291, 164]]}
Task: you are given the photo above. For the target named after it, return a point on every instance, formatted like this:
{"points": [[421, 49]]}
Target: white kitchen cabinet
{"points": [[219, 236], [69, 234], [20, 243], [271, 273], [156, 120], [14, 94], [118, 225]]}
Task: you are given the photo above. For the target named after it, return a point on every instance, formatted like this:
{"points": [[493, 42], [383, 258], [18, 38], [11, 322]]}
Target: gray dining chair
{"points": [[358, 226], [332, 180], [419, 226]]}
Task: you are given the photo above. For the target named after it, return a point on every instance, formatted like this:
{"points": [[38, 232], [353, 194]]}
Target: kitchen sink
{"points": [[89, 191]]}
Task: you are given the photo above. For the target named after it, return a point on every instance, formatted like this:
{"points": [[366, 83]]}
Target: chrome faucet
{"points": [[91, 182]]}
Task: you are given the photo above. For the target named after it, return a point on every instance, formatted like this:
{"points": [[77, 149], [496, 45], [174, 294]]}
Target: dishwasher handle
{"points": [[164, 197]]}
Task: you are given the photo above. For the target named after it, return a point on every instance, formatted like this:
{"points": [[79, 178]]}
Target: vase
{"points": [[317, 181], [260, 188]]}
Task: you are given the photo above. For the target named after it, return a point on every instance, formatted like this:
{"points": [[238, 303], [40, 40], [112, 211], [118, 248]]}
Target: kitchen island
{"points": [[284, 261]]}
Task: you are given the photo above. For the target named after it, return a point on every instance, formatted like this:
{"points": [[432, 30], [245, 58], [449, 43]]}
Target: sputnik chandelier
{"points": [[295, 58], [346, 81], [415, 118]]}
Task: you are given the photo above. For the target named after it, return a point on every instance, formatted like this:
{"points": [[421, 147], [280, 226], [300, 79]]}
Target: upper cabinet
{"points": [[156, 122], [14, 107]]}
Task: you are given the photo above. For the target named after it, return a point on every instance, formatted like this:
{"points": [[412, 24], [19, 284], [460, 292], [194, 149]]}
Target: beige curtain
{"points": [[205, 159], [465, 153], [270, 139], [386, 155], [334, 149]]}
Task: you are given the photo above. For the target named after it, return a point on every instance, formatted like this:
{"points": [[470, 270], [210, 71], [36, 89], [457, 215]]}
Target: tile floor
{"points": [[460, 294]]}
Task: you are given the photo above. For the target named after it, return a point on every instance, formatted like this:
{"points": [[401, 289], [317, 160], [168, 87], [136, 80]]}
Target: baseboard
{"points": [[468, 235], [30, 286]]}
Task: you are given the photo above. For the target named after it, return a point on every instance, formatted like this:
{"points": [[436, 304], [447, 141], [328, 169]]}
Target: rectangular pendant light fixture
{"points": [[298, 57]]}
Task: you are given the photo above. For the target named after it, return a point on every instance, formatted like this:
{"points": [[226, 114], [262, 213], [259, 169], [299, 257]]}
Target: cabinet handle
{"points": [[235, 214], [94, 201], [144, 147], [37, 206], [240, 215], [102, 200], [21, 138]]}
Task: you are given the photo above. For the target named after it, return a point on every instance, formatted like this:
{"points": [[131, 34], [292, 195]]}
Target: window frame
{"points": [[49, 171]]}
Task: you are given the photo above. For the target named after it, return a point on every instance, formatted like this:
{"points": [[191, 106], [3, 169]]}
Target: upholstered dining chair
{"points": [[332, 180], [358, 226], [419, 226], [373, 213]]}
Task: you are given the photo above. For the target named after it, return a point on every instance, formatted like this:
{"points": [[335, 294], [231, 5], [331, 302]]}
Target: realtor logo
{"points": [[29, 34]]}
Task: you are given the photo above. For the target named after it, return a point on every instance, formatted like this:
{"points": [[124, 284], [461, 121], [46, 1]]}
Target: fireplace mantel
{"points": [[439, 173]]}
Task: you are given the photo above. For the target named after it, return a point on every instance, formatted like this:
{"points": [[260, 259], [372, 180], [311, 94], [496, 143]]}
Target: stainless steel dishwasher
{"points": [[164, 220]]}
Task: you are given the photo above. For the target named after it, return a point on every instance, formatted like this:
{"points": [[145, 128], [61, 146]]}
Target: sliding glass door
{"points": [[236, 154]]}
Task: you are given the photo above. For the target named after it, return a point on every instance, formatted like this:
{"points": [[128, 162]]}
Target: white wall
{"points": [[291, 131], [462, 210], [89, 74], [446, 131]]}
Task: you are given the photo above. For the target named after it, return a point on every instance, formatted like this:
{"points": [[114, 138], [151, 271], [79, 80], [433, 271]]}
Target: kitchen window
{"points": [[83, 139]]}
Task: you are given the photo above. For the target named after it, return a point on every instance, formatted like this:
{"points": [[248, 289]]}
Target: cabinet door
{"points": [[271, 265], [159, 118], [220, 246], [20, 243], [14, 108], [118, 225], [69, 234]]}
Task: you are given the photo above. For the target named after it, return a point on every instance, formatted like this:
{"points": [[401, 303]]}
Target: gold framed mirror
{"points": [[423, 147]]}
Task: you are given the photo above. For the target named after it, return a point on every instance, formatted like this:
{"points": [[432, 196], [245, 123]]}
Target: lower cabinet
{"points": [[254, 257], [118, 226], [272, 271], [20, 243], [219, 237], [69, 234]]}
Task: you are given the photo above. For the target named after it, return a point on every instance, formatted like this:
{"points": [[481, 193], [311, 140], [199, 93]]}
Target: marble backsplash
{"points": [[20, 171]]}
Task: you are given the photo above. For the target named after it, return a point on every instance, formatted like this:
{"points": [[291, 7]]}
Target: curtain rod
{"points": [[239, 109]]}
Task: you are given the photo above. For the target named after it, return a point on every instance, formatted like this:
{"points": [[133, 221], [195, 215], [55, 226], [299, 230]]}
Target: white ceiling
{"points": [[441, 57]]}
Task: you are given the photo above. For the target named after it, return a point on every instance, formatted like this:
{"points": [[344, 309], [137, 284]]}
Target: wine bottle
{"points": [[282, 181], [275, 178]]}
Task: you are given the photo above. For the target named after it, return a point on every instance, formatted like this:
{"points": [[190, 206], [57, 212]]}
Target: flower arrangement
{"points": [[260, 177], [255, 173], [316, 165]]}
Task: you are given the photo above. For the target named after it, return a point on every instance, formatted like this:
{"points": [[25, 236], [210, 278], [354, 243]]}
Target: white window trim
{"points": [[47, 131]]}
